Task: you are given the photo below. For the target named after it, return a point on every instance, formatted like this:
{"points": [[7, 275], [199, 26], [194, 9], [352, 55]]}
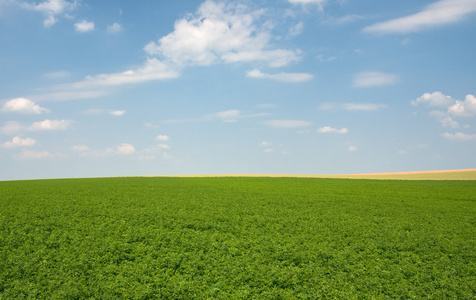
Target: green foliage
{"points": [[237, 238]]}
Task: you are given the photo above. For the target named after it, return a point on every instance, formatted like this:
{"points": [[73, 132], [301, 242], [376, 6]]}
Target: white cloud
{"points": [[23, 105], [328, 129], [287, 123], [459, 136], [80, 148], [268, 150], [444, 119], [343, 20], [162, 137], [352, 148], [370, 79], [11, 127], [466, 108], [52, 8], [449, 108], [283, 77], [126, 149], [435, 99], [438, 13], [50, 125], [117, 113], [19, 142], [114, 28], [84, 26], [226, 32], [363, 106], [29, 154]]}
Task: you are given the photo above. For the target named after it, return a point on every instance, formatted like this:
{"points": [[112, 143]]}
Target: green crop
{"points": [[237, 238]]}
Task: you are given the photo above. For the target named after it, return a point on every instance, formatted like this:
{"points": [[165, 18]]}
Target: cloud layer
{"points": [[371, 79]]}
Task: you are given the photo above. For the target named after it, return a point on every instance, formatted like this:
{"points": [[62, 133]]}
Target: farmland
{"points": [[237, 238]]}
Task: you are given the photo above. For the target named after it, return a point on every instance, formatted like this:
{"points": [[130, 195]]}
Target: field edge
{"points": [[461, 174]]}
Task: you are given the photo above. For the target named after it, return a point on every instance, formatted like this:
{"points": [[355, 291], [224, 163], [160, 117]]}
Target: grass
{"points": [[237, 238]]}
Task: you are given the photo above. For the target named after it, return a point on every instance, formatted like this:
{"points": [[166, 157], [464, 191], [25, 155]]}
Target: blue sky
{"points": [[115, 88]]}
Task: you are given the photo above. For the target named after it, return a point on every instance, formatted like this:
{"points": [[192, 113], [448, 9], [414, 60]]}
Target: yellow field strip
{"points": [[464, 174]]}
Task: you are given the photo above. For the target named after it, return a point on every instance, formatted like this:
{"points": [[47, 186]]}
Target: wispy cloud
{"points": [[31, 154], [438, 13], [328, 129], [70, 92], [287, 123], [117, 113], [153, 69], [114, 28], [266, 147], [296, 29], [319, 3], [162, 137], [372, 79], [353, 106], [363, 106], [57, 75], [11, 127], [283, 77], [343, 20], [122, 149], [227, 116], [80, 148]]}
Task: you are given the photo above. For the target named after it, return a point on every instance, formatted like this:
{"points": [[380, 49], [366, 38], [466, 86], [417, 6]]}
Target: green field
{"points": [[237, 238]]}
